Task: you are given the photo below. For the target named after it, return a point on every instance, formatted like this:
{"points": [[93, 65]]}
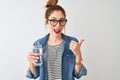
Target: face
{"points": [[56, 22]]}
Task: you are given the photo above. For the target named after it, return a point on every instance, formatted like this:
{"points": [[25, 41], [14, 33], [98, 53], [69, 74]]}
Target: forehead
{"points": [[57, 14]]}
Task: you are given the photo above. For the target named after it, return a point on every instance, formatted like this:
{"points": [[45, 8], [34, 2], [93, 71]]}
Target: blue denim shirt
{"points": [[68, 71]]}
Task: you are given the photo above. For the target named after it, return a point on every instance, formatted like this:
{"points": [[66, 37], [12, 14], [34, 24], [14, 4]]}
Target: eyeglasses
{"points": [[54, 22]]}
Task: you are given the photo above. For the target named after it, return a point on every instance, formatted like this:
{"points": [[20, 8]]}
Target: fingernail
{"points": [[38, 57], [36, 60]]}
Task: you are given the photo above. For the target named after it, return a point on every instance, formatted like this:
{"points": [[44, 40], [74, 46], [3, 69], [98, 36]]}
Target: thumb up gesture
{"points": [[75, 47]]}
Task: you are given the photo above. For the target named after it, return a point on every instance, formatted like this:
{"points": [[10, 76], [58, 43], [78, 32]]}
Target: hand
{"points": [[32, 57], [75, 47]]}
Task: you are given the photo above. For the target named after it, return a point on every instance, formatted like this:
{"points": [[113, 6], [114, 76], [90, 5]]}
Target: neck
{"points": [[54, 40]]}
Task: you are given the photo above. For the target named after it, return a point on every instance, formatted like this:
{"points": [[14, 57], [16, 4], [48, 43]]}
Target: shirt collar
{"points": [[45, 38]]}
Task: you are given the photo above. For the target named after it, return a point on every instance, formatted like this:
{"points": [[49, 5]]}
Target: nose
{"points": [[58, 24]]}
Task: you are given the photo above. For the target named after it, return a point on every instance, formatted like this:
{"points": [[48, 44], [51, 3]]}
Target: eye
{"points": [[63, 20], [53, 20]]}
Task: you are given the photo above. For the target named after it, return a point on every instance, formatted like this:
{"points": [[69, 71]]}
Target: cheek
{"points": [[50, 28], [63, 28]]}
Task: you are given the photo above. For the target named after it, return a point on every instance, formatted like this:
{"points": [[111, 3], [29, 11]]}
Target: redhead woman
{"points": [[61, 54]]}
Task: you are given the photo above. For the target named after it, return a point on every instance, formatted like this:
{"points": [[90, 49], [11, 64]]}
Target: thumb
{"points": [[81, 41]]}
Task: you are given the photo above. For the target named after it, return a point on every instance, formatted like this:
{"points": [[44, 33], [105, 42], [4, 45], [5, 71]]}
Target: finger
{"points": [[34, 61], [34, 54], [74, 42], [72, 47], [34, 57], [81, 41]]}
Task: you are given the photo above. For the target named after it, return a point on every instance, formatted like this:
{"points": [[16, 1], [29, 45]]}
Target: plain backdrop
{"points": [[96, 21]]}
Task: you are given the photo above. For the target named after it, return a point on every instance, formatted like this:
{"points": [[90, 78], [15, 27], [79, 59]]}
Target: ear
{"points": [[46, 21]]}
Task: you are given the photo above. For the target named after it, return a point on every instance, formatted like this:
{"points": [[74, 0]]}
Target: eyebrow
{"points": [[56, 18]]}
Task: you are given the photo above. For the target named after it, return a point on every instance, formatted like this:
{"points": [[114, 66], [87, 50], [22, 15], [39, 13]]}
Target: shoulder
{"points": [[68, 38], [37, 42], [41, 41]]}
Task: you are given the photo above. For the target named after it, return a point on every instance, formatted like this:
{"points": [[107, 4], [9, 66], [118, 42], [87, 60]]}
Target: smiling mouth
{"points": [[57, 31]]}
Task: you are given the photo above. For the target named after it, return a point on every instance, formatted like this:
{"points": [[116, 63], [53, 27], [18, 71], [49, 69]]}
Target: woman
{"points": [[61, 55]]}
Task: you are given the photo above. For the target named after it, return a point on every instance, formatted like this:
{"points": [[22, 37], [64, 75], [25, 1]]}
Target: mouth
{"points": [[57, 31]]}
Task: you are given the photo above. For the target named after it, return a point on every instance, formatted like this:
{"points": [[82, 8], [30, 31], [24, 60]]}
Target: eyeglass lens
{"points": [[54, 22]]}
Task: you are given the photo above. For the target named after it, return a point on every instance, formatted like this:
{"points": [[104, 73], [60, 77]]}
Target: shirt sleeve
{"points": [[32, 76], [83, 71]]}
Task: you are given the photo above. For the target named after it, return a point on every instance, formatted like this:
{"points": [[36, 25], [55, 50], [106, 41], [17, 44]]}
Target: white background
{"points": [[96, 21]]}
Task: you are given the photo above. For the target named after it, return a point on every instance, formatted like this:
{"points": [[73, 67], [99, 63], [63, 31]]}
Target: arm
{"points": [[79, 69], [75, 47], [78, 63], [33, 72]]}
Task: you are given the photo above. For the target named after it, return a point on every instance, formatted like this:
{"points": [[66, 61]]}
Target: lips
{"points": [[57, 31]]}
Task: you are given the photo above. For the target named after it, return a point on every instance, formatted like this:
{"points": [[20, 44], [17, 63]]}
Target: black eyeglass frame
{"points": [[56, 22]]}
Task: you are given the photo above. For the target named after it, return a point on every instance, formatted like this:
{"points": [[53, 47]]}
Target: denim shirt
{"points": [[68, 71]]}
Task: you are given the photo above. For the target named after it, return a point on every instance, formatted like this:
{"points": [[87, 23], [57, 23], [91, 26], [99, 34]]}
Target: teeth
{"points": [[57, 30]]}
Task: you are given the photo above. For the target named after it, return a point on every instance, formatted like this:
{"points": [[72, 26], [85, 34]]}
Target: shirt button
{"points": [[67, 55]]}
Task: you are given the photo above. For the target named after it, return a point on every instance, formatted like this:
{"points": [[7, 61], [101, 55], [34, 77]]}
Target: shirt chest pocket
{"points": [[70, 58]]}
